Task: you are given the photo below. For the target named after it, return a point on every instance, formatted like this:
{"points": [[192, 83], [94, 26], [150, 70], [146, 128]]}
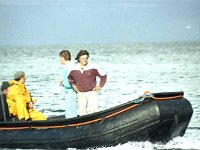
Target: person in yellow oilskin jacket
{"points": [[19, 101]]}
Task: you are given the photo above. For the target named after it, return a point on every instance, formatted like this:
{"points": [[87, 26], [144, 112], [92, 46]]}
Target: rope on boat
{"points": [[148, 94], [84, 123], [15, 128], [121, 111]]}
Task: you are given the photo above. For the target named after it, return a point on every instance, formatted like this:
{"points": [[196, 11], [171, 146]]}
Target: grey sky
{"points": [[42, 22]]}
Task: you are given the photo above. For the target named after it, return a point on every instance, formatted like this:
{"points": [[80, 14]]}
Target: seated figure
{"points": [[20, 103]]}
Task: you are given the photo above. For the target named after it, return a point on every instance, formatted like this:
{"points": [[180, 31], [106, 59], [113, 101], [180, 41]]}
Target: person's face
{"points": [[83, 60], [62, 60], [5, 91], [23, 79]]}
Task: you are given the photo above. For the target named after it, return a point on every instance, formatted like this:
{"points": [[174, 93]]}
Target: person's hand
{"points": [[75, 88], [34, 100], [97, 88], [30, 105], [61, 82]]}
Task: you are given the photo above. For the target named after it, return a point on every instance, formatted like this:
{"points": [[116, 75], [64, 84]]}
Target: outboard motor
{"points": [[4, 112]]}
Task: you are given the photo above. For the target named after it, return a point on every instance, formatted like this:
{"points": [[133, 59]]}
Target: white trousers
{"points": [[70, 106], [87, 102]]}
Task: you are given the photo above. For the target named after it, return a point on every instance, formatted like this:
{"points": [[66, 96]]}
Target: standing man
{"points": [[83, 80], [70, 94]]}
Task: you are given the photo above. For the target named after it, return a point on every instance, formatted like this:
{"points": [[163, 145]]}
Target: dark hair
{"points": [[18, 79], [81, 53], [66, 54], [5, 85]]}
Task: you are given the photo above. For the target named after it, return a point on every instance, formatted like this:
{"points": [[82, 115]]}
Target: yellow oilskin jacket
{"points": [[18, 97]]}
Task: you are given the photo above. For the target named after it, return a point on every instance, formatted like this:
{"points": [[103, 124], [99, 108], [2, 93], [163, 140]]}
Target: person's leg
{"points": [[36, 115], [20, 110], [81, 103], [71, 105], [92, 102]]}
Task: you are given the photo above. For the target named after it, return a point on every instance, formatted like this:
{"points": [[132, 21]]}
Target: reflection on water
{"points": [[131, 68]]}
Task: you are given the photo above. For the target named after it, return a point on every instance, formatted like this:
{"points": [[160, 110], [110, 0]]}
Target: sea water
{"points": [[132, 68]]}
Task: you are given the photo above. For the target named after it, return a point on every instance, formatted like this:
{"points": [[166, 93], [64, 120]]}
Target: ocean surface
{"points": [[132, 68]]}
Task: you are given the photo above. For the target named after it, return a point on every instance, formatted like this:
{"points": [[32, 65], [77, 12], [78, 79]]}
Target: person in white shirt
{"points": [[70, 94]]}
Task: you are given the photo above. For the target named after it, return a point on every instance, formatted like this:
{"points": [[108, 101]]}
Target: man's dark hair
{"points": [[81, 53], [66, 54], [18, 79]]}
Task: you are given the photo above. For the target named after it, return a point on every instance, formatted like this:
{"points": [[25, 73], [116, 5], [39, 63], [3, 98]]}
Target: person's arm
{"points": [[72, 82], [17, 95], [29, 100], [65, 82], [103, 77], [103, 80]]}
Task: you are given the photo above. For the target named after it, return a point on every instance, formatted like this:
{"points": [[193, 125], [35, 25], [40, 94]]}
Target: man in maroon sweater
{"points": [[83, 79]]}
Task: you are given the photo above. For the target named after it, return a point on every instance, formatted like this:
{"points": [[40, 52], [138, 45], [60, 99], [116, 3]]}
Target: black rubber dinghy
{"points": [[153, 117]]}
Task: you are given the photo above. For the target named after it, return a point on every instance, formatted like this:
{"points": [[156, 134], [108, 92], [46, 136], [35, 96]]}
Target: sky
{"points": [[50, 22]]}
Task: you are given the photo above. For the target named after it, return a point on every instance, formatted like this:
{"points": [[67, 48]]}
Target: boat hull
{"points": [[153, 121]]}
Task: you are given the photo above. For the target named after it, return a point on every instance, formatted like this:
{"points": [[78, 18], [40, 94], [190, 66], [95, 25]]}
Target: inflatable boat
{"points": [[153, 117]]}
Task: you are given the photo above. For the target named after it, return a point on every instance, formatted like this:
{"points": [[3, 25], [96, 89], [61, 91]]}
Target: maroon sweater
{"points": [[85, 80]]}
